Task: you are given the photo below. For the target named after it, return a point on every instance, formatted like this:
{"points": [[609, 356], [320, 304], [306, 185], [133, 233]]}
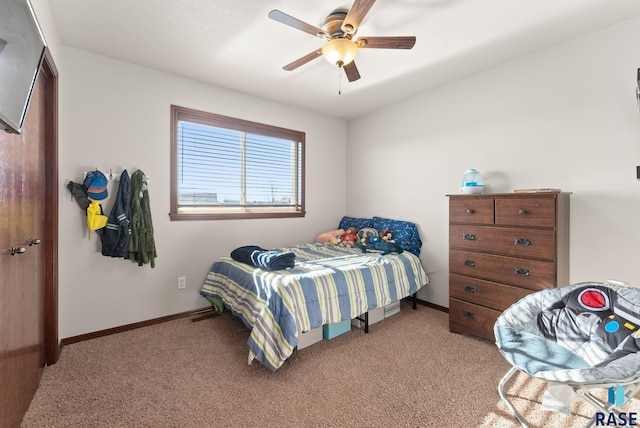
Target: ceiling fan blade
{"points": [[356, 14], [387, 42], [302, 61], [351, 71], [289, 20]]}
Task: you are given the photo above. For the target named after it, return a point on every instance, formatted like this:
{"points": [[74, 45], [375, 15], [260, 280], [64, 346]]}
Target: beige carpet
{"points": [[409, 371]]}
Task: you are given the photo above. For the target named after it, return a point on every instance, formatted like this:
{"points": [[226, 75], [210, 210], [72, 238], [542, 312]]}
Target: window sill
{"points": [[232, 216]]}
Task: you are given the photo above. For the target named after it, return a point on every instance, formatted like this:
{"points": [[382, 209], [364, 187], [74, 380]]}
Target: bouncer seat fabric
{"points": [[585, 333]]}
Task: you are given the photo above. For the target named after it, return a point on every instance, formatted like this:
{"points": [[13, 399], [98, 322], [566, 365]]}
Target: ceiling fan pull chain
{"points": [[339, 81]]}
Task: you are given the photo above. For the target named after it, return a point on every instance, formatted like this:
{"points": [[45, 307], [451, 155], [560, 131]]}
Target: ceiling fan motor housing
{"points": [[333, 24]]}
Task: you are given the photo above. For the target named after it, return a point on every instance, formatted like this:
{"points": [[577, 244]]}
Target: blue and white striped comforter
{"points": [[327, 284]]}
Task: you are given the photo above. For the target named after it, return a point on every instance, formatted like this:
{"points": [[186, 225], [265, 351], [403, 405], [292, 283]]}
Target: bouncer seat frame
{"points": [[585, 336]]}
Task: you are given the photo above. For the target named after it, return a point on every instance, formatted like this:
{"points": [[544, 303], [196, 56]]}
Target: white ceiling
{"points": [[233, 44]]}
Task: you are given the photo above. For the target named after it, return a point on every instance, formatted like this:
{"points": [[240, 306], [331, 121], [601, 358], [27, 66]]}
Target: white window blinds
{"points": [[229, 166]]}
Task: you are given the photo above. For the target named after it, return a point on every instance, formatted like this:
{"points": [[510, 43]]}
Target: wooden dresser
{"points": [[503, 246]]}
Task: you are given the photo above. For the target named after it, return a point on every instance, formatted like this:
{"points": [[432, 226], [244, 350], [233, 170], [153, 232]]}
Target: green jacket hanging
{"points": [[142, 246]]}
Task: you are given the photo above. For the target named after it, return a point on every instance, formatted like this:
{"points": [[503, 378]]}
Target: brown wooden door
{"points": [[23, 275]]}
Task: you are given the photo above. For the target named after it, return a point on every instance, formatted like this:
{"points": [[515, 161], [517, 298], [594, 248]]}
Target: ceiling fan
{"points": [[339, 29]]}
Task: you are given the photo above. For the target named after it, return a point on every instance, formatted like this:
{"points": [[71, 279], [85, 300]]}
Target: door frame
{"points": [[52, 343]]}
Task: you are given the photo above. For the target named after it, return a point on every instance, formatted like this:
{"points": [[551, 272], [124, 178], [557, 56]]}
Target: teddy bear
{"points": [[325, 238], [335, 241], [349, 238]]}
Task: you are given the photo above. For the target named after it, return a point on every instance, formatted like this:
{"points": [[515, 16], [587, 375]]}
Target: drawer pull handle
{"points": [[523, 272], [468, 236], [469, 315], [523, 241], [469, 211], [469, 289], [522, 211], [469, 263]]}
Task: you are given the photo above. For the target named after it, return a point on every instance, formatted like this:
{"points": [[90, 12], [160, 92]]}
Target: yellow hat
{"points": [[95, 219]]}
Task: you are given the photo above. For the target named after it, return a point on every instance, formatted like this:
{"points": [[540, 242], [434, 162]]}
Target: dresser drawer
{"points": [[468, 318], [540, 212], [485, 293], [531, 274], [510, 241], [471, 210]]}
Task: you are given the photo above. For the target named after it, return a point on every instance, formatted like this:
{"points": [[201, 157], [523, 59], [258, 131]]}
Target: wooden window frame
{"points": [[211, 119]]}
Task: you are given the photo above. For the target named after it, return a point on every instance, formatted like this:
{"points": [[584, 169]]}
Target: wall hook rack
{"points": [[111, 176], [638, 103]]}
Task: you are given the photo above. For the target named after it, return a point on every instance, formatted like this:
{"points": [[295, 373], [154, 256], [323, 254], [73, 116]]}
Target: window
{"points": [[226, 168]]}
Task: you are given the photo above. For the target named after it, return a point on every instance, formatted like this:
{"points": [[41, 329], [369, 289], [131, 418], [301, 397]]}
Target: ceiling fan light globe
{"points": [[339, 51]]}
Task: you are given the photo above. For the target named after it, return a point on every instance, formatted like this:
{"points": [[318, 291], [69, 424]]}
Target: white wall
{"points": [[48, 26], [565, 117], [116, 115]]}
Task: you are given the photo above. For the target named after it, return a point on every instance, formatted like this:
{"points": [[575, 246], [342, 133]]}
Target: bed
{"points": [[327, 284]]}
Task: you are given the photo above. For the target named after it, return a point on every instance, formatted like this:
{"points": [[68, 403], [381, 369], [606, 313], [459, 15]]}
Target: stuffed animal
{"points": [[349, 238], [325, 238], [386, 235], [377, 245], [374, 240], [365, 234]]}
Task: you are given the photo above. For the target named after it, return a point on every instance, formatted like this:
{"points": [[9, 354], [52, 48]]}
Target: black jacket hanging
{"points": [[116, 235]]}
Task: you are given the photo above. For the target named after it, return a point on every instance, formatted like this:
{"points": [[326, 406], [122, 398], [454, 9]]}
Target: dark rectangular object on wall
{"points": [[22, 47], [638, 172]]}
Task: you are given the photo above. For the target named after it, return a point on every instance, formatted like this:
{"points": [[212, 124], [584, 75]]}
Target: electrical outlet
{"points": [[182, 282]]}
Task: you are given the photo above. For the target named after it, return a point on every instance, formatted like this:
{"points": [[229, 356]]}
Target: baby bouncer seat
{"points": [[585, 336]]}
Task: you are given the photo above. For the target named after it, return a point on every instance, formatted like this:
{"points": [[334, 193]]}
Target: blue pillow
{"points": [[358, 223], [404, 233]]}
